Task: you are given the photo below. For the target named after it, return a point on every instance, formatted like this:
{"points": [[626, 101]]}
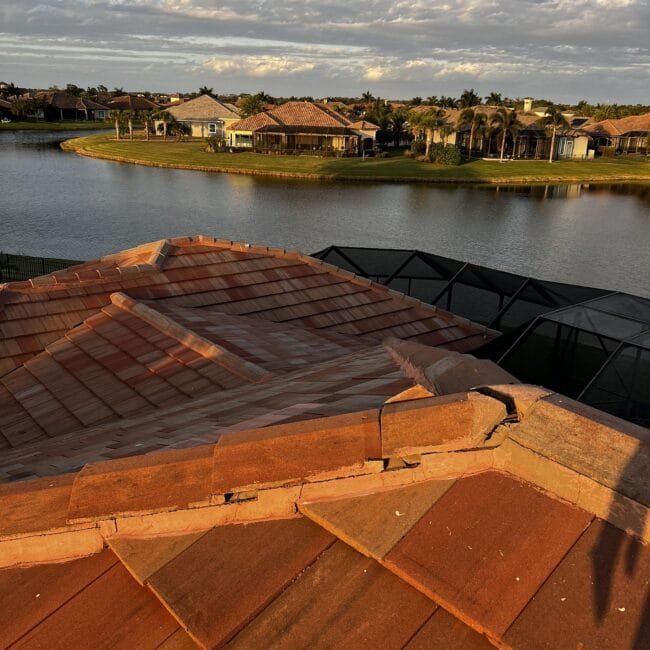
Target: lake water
{"points": [[57, 204]]}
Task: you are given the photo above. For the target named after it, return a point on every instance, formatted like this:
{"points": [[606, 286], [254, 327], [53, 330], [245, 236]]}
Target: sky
{"points": [[562, 50]]}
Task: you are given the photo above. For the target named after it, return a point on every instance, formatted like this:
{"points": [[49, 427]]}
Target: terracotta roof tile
{"points": [[143, 557], [472, 551], [39, 591], [444, 631], [596, 598], [374, 523], [222, 581], [112, 611], [342, 600]]}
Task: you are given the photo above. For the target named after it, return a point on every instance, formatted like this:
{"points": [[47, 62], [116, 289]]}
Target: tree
{"points": [[18, 107], [146, 122], [367, 97], [428, 121], [117, 92], [117, 120], [468, 98], [167, 120], [128, 115], [433, 100], [493, 99], [416, 101], [476, 122], [204, 90], [448, 102], [553, 120], [73, 89], [397, 123], [252, 105], [505, 122]]}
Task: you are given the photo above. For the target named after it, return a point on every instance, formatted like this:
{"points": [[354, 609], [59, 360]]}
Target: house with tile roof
{"points": [[302, 127], [207, 443], [532, 142], [59, 105], [626, 135], [131, 103], [204, 115]]}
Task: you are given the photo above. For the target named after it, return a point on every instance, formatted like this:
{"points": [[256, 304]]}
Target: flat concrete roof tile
{"points": [[222, 581], [598, 597], [32, 594], [374, 523], [341, 600], [486, 547], [112, 611]]}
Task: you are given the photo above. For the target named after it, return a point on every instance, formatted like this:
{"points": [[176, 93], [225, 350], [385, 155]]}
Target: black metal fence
{"points": [[23, 267]]}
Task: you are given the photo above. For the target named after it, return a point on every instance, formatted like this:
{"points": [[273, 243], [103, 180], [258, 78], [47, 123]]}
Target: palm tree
{"points": [[493, 99], [432, 100], [476, 122], [367, 97], [397, 121], [252, 105], [506, 123], [128, 115], [117, 120], [146, 117], [553, 120], [204, 90], [166, 120], [429, 122], [468, 98]]}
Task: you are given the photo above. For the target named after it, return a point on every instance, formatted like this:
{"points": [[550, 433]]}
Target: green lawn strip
{"points": [[53, 126], [192, 155]]}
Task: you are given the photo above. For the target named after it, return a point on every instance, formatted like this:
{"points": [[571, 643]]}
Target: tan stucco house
{"points": [[205, 116]]}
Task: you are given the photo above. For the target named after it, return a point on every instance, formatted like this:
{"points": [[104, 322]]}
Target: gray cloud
{"points": [[559, 49]]}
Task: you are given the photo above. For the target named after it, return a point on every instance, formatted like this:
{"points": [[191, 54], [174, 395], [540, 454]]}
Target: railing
{"points": [[23, 267]]}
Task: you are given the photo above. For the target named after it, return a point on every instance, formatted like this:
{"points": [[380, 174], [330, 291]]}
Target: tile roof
{"points": [[203, 107], [295, 114], [322, 485], [63, 100], [630, 124], [131, 103]]}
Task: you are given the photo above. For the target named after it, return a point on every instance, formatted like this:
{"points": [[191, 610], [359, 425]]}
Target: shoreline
{"points": [[77, 145]]}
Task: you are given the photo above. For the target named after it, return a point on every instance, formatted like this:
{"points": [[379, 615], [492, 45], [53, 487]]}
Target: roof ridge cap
{"points": [[207, 349]]}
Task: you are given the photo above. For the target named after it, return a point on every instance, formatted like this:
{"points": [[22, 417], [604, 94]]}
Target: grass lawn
{"points": [[53, 126], [192, 155]]}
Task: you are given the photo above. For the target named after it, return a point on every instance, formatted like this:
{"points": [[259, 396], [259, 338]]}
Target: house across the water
{"points": [[627, 135], [533, 141], [205, 116], [59, 105], [302, 127]]}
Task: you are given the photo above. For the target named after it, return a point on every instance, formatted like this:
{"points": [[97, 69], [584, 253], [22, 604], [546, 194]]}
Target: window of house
{"points": [[212, 128]]}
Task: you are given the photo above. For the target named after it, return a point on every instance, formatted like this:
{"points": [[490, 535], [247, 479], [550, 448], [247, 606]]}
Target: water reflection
{"points": [[59, 204]]}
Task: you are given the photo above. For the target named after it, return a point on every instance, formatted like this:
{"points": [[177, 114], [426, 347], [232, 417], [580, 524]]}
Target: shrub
{"points": [[215, 143], [445, 154], [418, 147]]}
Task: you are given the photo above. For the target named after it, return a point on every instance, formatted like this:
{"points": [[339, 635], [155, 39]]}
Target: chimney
{"points": [[528, 104]]}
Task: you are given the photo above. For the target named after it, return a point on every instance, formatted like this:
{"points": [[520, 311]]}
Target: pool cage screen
{"points": [[587, 343]]}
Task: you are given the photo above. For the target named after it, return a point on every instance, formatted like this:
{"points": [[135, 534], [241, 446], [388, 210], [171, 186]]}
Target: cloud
{"points": [[555, 48], [258, 66]]}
